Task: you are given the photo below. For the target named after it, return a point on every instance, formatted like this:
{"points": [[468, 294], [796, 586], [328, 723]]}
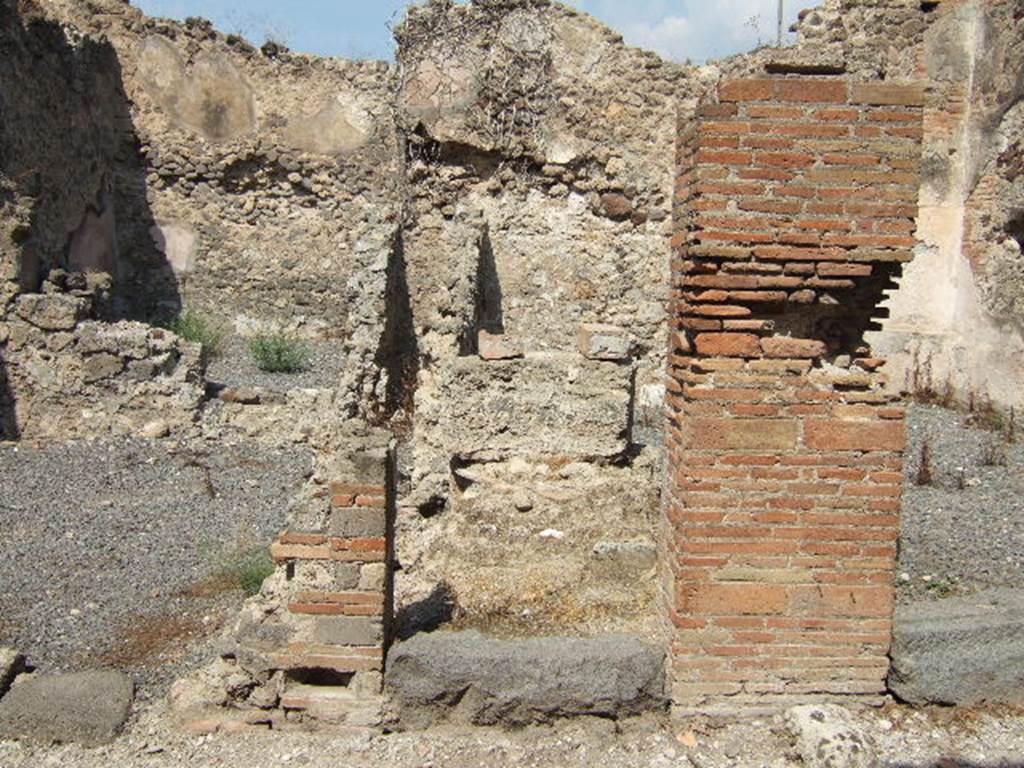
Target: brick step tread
{"points": [[334, 703], [319, 694]]}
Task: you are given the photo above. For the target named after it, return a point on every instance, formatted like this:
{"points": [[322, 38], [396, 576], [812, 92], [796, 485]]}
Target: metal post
{"points": [[778, 39]]}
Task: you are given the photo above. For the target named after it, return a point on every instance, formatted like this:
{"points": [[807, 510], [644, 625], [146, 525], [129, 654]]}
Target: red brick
{"points": [[728, 344], [783, 159], [746, 90], [718, 110], [767, 142], [807, 90], [751, 460], [766, 174], [742, 434], [801, 130], [909, 95], [835, 225], [833, 435], [825, 600], [839, 159], [775, 112], [304, 539], [734, 599], [785, 347], [844, 270], [723, 157], [771, 206], [846, 115]]}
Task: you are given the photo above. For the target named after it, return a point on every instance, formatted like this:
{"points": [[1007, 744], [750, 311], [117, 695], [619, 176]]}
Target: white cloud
{"points": [[693, 29]]}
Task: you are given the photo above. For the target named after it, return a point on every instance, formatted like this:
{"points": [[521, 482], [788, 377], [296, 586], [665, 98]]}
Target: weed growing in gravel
{"points": [[247, 569], [985, 414], [993, 452], [942, 587], [924, 466], [279, 352], [199, 329]]}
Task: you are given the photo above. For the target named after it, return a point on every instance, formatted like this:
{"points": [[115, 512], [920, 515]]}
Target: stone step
{"points": [[333, 704]]}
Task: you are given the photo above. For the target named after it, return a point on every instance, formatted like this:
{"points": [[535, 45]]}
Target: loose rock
{"points": [[12, 664], [828, 736], [966, 650], [88, 708]]}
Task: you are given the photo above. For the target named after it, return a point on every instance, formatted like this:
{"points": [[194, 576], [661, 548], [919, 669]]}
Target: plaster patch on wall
{"points": [[178, 244]]}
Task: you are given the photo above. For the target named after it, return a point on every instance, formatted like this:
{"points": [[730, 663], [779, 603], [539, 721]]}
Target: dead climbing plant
{"points": [[509, 90]]}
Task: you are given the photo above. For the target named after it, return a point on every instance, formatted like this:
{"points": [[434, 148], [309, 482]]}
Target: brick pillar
{"points": [[796, 207], [337, 590]]}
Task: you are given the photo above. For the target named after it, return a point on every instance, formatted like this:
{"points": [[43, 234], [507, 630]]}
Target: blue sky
{"points": [[677, 29]]}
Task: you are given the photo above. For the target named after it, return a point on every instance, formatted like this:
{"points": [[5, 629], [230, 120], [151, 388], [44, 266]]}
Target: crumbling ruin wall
{"points": [[539, 172], [866, 39], [311, 646], [62, 370], [796, 211], [957, 328], [263, 170], [486, 184]]}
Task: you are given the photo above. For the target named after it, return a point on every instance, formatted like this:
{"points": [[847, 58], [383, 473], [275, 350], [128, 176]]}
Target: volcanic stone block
{"points": [[963, 651], [348, 630], [83, 707], [544, 404], [465, 677]]}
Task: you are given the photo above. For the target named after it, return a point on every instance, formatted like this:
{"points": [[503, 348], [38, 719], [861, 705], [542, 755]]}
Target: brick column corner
{"points": [[796, 203]]}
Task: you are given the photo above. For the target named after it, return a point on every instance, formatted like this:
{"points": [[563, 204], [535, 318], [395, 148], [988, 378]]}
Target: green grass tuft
{"points": [[279, 352], [197, 328], [248, 569]]}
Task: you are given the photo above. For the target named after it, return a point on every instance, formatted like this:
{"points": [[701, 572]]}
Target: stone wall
{"points": [[63, 371], [69, 374], [955, 328], [262, 170], [795, 212], [539, 172]]}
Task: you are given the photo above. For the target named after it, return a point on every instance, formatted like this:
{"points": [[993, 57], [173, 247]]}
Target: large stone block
{"points": [[84, 707], [348, 630], [556, 404], [963, 651], [465, 677], [52, 312]]}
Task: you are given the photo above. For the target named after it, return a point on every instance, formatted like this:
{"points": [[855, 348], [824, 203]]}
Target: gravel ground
{"points": [[965, 530], [235, 367], [904, 739], [111, 547]]}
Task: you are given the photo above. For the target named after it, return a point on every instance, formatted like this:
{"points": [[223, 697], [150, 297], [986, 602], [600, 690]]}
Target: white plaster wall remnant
{"points": [[941, 336], [343, 124], [178, 244]]}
